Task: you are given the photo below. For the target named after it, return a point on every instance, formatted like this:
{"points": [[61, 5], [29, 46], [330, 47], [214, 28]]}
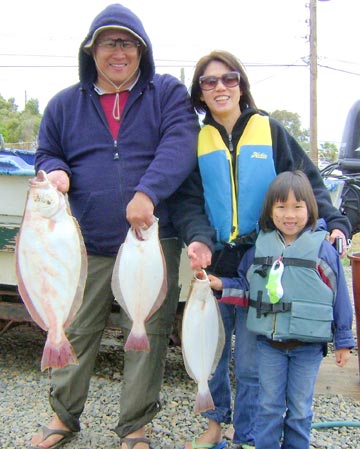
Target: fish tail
{"points": [[203, 402], [137, 342], [58, 356]]}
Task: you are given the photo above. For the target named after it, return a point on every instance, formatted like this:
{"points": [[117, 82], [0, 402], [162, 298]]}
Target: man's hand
{"points": [[60, 179], [140, 211]]}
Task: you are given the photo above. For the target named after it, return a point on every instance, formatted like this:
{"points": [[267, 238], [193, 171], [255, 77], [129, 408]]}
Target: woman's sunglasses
{"points": [[230, 79]]}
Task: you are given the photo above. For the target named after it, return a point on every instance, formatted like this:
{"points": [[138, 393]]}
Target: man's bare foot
{"points": [[38, 439], [140, 433]]}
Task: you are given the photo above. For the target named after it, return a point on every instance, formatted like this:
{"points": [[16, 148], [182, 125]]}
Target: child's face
{"points": [[290, 217]]}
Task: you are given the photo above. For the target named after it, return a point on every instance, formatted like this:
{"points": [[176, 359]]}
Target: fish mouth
{"points": [[41, 176], [138, 235], [200, 275]]}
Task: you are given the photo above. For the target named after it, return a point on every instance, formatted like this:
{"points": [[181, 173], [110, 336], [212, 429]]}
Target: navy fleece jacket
{"points": [[155, 150]]}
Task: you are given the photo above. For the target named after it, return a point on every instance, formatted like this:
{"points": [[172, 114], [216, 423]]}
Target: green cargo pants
{"points": [[143, 372]]}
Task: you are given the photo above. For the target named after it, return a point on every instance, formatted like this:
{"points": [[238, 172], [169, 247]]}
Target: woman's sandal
{"points": [[130, 442]]}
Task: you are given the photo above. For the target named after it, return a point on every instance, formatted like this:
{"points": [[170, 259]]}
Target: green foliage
{"points": [[328, 151], [292, 123], [19, 126]]}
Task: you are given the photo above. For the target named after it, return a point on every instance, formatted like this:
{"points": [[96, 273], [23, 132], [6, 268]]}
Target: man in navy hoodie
{"points": [[121, 142]]}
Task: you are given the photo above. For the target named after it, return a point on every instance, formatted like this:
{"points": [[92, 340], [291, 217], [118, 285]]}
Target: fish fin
{"points": [[58, 356], [115, 283], [204, 401], [221, 339], [187, 364], [137, 342], [25, 296], [163, 290], [78, 298]]}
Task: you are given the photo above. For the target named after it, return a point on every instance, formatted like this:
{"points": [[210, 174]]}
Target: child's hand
{"points": [[342, 356], [215, 282]]}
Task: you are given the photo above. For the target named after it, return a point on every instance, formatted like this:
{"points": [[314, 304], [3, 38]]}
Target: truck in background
{"points": [[343, 176]]}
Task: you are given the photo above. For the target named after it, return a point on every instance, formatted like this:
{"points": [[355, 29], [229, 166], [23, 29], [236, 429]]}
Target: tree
{"points": [[328, 151], [20, 126], [292, 123]]}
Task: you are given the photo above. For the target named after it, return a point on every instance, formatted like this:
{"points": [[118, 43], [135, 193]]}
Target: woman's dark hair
{"points": [[246, 99], [287, 181]]}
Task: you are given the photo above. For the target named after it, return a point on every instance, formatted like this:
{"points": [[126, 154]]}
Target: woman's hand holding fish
{"points": [[140, 211], [200, 255], [60, 179]]}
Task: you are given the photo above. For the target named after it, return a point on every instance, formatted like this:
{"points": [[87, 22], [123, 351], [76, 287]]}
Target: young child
{"points": [[298, 301]]}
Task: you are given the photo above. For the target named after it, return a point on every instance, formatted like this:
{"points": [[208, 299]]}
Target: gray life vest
{"points": [[305, 311]]}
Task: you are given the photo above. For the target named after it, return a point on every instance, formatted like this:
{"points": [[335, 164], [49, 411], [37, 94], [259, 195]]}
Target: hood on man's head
{"points": [[115, 16]]}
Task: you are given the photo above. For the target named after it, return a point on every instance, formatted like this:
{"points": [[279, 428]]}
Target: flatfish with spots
{"points": [[202, 338], [139, 282], [51, 267]]}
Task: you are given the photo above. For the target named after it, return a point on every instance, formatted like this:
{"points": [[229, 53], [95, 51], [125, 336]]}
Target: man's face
{"points": [[117, 55]]}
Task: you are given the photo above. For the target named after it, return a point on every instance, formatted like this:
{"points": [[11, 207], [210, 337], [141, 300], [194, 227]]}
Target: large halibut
{"points": [[51, 267], [203, 338], [139, 282]]}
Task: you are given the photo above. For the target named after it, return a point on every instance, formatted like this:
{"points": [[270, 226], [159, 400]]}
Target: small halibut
{"points": [[139, 282], [51, 267], [203, 338]]}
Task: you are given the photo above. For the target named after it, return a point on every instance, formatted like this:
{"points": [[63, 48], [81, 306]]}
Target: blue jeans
{"points": [[287, 379], [246, 374]]}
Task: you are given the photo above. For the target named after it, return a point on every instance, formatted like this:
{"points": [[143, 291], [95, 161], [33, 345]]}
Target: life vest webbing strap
{"points": [[263, 308], [289, 261]]}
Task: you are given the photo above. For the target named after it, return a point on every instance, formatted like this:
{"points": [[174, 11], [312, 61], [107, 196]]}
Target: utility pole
{"points": [[313, 83]]}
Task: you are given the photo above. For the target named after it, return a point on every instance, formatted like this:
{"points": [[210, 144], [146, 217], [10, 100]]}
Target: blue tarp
{"points": [[17, 162]]}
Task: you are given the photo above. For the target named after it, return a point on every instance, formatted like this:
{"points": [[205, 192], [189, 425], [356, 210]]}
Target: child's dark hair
{"points": [[297, 182]]}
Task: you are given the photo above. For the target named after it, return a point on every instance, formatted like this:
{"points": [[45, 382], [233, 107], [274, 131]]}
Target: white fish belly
{"points": [[200, 337], [141, 276], [50, 264]]}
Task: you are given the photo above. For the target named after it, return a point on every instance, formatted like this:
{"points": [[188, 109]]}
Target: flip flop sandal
{"points": [[130, 442], [67, 435]]}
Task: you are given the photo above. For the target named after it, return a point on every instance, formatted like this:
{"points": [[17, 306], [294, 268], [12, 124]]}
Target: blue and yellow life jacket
{"points": [[305, 311], [234, 197]]}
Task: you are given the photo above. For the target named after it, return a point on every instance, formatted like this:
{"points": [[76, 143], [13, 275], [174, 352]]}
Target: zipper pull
{"points": [[231, 148], [116, 153]]}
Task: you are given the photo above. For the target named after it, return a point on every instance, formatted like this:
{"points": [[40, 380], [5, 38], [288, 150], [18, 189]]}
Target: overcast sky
{"points": [[269, 36]]}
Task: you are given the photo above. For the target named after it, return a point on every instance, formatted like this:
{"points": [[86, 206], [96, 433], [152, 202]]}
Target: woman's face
{"points": [[222, 101]]}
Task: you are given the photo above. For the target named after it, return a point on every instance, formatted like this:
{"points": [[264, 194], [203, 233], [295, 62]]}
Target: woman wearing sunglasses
{"points": [[240, 151]]}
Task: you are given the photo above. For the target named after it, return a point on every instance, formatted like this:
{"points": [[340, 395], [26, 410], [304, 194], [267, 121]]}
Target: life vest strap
{"points": [[262, 308]]}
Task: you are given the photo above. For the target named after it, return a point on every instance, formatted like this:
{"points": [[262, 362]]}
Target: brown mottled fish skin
{"points": [[139, 282], [51, 266], [202, 338]]}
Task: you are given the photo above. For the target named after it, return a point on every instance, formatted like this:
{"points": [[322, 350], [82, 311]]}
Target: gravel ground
{"points": [[24, 404]]}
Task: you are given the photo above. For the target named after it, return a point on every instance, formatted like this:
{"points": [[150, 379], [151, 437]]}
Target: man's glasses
{"points": [[112, 44], [230, 79]]}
